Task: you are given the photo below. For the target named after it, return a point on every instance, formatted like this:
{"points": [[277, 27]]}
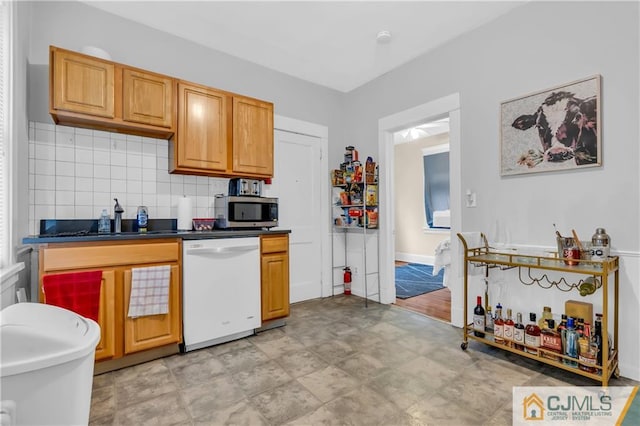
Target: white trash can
{"points": [[46, 369]]}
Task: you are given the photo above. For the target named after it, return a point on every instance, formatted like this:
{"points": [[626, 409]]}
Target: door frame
{"points": [[320, 132], [433, 110]]}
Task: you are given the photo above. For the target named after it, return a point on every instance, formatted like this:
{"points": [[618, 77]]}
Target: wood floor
{"points": [[436, 304]]}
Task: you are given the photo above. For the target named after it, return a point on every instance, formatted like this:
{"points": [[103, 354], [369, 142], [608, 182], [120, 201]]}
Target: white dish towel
{"points": [[149, 291]]}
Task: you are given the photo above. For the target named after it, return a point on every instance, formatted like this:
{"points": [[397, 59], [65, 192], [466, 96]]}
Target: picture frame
{"points": [[555, 129]]}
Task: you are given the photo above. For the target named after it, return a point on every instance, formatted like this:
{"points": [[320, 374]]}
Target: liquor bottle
{"points": [[498, 326], [588, 351], [532, 335], [570, 344], [478, 319], [551, 340], [561, 327], [597, 337], [488, 323], [579, 324], [518, 333], [563, 323], [546, 315], [508, 329]]}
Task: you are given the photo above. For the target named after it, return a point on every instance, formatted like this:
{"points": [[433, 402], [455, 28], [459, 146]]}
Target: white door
{"points": [[296, 183]]}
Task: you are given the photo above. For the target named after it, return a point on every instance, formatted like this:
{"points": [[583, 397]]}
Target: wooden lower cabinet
{"points": [[107, 316], [120, 335], [274, 258], [154, 330]]}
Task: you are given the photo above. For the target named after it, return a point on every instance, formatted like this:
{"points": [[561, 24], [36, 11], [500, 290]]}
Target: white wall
{"points": [[526, 50]]}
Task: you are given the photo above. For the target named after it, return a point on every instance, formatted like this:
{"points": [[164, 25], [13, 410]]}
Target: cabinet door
{"points": [[83, 85], [252, 137], [154, 330], [106, 317], [147, 98], [275, 286], [202, 136]]}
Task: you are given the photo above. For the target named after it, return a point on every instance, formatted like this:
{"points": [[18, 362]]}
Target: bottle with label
{"points": [[142, 218], [597, 337], [579, 325], [104, 223], [478, 318], [546, 315], [488, 323], [509, 326], [551, 341], [570, 344], [532, 335], [587, 351], [498, 326], [518, 333]]}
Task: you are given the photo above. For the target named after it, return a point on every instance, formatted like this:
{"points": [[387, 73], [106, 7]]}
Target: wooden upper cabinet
{"points": [[202, 140], [252, 137], [147, 98], [82, 84], [99, 94]]}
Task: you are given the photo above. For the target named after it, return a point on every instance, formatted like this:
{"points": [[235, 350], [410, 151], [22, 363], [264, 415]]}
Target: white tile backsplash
{"points": [[74, 173]]}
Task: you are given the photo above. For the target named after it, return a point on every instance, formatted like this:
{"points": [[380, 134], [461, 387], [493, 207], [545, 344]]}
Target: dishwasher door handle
{"points": [[222, 250]]}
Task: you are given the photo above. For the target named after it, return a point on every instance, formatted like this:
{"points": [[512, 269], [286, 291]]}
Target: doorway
{"points": [[422, 216], [448, 105]]}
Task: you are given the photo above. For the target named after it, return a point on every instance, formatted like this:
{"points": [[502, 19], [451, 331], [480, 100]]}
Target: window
{"points": [[436, 186]]}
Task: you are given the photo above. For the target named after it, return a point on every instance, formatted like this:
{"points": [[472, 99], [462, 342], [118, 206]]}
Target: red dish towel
{"points": [[77, 291]]}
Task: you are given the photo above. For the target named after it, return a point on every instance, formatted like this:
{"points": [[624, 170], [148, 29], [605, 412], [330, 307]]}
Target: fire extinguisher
{"points": [[347, 280]]}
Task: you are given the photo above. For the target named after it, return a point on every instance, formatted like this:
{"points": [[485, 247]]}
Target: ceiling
{"points": [[329, 43]]}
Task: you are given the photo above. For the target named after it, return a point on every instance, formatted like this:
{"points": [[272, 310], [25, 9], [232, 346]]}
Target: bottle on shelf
{"points": [[518, 333], [478, 319], [498, 326], [551, 341], [509, 326], [563, 323], [597, 337], [488, 323], [587, 351], [579, 325], [546, 315], [570, 344], [104, 223], [532, 335]]}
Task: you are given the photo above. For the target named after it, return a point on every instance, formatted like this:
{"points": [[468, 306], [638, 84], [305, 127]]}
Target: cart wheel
{"points": [[464, 346], [616, 373]]}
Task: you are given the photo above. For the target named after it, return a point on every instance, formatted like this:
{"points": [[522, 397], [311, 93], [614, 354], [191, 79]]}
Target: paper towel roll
{"points": [[185, 214]]}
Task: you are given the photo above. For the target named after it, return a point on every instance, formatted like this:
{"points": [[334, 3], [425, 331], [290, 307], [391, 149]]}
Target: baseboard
{"points": [[415, 258]]}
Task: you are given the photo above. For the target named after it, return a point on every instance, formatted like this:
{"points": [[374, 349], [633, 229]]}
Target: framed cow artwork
{"points": [[554, 129]]}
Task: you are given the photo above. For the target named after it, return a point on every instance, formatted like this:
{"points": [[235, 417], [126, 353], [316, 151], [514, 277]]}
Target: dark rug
{"points": [[415, 279]]}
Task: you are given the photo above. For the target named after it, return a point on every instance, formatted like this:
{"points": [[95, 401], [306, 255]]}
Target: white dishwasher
{"points": [[220, 290]]}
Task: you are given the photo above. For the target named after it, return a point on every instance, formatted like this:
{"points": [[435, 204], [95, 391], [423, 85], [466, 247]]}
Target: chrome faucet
{"points": [[117, 210]]}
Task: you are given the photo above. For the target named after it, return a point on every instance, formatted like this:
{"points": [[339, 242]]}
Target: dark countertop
{"points": [[185, 235]]}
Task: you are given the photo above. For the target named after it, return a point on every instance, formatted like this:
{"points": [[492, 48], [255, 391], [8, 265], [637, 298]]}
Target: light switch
{"points": [[470, 198]]}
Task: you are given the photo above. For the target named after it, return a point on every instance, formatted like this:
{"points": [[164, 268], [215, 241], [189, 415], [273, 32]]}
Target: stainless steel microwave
{"points": [[236, 211]]}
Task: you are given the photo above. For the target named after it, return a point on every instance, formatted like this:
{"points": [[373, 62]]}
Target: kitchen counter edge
{"points": [[184, 235]]}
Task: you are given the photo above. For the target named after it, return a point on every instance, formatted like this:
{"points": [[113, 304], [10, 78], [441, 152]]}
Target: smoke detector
{"points": [[384, 37]]}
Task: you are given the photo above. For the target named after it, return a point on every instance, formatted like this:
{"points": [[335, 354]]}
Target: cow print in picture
{"points": [[567, 128]]}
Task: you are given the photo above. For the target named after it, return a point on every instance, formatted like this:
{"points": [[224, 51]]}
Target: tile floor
{"points": [[334, 363]]}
